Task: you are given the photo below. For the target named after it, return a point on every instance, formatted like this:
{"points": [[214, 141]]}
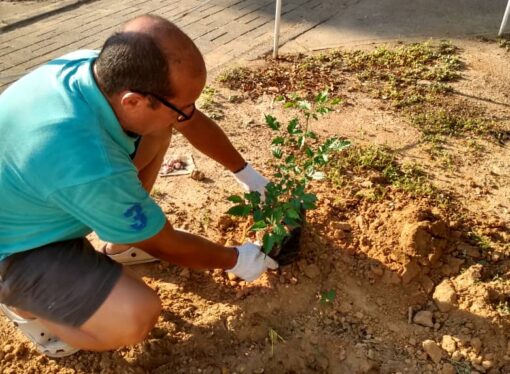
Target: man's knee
{"points": [[128, 314], [140, 318]]}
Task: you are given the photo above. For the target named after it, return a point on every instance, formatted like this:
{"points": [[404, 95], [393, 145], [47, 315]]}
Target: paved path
{"points": [[222, 29], [226, 30]]}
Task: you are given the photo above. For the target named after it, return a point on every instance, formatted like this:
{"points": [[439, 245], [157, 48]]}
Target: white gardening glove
{"points": [[252, 262], [251, 180]]}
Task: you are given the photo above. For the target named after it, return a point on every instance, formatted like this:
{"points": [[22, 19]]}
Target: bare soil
{"points": [[389, 281]]}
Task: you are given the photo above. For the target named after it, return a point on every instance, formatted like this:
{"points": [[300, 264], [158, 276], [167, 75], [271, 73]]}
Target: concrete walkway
{"points": [[228, 30]]}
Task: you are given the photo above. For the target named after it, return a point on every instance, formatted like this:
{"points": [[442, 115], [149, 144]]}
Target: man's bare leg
{"points": [[125, 318]]}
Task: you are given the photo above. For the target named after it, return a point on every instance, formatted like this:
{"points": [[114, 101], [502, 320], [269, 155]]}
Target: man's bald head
{"points": [[182, 54]]}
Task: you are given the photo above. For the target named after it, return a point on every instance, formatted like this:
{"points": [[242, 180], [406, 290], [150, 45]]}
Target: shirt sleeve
{"points": [[116, 207]]}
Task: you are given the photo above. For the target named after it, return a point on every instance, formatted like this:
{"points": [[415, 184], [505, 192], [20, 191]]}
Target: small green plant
{"points": [[299, 157], [503, 308], [327, 297], [274, 337], [461, 367]]}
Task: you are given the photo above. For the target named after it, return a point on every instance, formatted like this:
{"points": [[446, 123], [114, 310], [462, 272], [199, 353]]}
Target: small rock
{"points": [[197, 175], [469, 277], [423, 318], [445, 296], [476, 344], [339, 234], [312, 271], [448, 369], [469, 250], [344, 226], [448, 344], [427, 284], [231, 276], [487, 364], [185, 273], [433, 350], [359, 222], [411, 271], [456, 356]]}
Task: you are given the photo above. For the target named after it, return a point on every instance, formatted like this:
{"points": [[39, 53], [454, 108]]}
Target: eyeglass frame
{"points": [[183, 117]]}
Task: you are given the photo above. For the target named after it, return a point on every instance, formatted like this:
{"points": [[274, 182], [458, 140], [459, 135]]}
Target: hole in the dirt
{"points": [[42, 333], [133, 254]]}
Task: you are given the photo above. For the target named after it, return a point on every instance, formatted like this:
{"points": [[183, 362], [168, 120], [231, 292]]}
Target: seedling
{"points": [[299, 157], [274, 337], [327, 297]]}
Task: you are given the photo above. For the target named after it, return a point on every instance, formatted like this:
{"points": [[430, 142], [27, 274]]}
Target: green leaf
{"points": [[311, 135], [309, 206], [289, 104], [290, 159], [277, 152], [293, 127], [278, 140], [236, 199], [309, 152], [301, 141], [292, 213], [280, 98], [272, 122], [258, 226], [322, 97], [318, 175], [268, 242], [304, 105], [253, 197], [336, 101], [258, 215], [280, 231], [239, 210]]}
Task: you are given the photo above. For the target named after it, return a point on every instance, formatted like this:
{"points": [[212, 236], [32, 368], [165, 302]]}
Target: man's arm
{"points": [[179, 247], [206, 136], [185, 249]]}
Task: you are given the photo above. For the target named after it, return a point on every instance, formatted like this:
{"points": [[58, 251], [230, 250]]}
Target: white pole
{"points": [[277, 27], [505, 19]]}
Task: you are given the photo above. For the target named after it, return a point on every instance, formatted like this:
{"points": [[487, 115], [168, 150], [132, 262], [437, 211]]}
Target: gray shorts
{"points": [[63, 282]]}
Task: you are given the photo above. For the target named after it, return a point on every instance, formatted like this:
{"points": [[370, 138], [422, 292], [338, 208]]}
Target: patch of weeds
{"points": [[208, 103], [206, 99], [505, 43], [480, 240], [503, 308], [475, 147], [451, 121], [235, 76], [461, 367], [407, 177]]}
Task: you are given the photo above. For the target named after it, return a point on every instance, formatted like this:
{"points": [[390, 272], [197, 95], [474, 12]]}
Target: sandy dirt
{"points": [[412, 291]]}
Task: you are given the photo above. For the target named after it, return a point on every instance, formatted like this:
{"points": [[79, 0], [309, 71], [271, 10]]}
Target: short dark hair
{"points": [[133, 61]]}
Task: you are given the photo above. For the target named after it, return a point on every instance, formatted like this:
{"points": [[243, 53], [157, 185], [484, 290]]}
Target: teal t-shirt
{"points": [[65, 166]]}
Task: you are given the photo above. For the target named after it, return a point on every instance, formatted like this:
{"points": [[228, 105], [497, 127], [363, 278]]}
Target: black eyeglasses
{"points": [[181, 117]]}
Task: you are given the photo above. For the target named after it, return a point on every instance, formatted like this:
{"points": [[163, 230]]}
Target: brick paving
{"points": [[224, 30]]}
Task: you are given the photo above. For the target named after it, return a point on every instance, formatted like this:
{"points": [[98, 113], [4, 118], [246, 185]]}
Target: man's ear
{"points": [[131, 100]]}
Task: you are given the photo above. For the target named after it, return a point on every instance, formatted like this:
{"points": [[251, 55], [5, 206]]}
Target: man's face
{"points": [[169, 110]]}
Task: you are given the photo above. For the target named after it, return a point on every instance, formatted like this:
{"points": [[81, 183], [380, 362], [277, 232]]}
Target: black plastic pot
{"points": [[288, 252]]}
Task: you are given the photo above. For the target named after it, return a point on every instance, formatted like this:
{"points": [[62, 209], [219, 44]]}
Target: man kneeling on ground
{"points": [[83, 138]]}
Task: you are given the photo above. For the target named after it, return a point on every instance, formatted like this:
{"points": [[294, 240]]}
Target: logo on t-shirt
{"points": [[138, 217]]}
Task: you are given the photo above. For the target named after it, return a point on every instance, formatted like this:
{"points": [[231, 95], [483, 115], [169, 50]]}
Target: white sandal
{"points": [[131, 256], [45, 342]]}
